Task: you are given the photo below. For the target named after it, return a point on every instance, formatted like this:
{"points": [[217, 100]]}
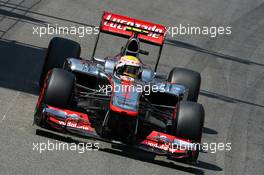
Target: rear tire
{"points": [[59, 49], [188, 78], [189, 124], [59, 88]]}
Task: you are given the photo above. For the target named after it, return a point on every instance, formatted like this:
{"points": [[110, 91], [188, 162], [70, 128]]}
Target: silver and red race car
{"points": [[119, 99]]}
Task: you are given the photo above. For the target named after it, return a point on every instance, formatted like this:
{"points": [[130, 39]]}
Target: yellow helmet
{"points": [[128, 66]]}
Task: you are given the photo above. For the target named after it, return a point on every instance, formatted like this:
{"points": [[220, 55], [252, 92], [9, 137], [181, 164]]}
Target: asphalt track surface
{"points": [[232, 69]]}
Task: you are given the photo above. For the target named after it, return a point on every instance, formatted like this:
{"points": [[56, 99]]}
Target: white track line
{"points": [[11, 104]]}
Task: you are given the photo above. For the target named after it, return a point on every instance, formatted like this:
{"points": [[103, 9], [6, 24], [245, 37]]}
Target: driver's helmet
{"points": [[128, 66]]}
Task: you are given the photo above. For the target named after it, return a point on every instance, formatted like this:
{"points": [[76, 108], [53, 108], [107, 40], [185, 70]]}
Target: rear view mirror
{"points": [[144, 52]]}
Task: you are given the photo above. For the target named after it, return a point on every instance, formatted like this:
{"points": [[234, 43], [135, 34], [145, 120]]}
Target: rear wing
{"points": [[125, 26]]}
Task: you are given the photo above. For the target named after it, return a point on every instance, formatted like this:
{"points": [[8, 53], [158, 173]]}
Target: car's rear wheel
{"points": [[188, 78], [188, 124], [59, 88], [59, 49]]}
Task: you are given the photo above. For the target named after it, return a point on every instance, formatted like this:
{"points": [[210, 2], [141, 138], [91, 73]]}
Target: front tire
{"points": [[59, 88], [189, 124]]}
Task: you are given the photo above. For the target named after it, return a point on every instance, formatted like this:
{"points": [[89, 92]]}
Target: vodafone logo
{"points": [[118, 23], [73, 125], [159, 146]]}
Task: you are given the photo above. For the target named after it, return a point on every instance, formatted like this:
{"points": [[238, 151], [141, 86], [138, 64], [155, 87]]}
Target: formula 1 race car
{"points": [[118, 98]]}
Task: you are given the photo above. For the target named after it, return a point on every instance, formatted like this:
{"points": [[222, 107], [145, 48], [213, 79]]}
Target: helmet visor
{"points": [[128, 70]]}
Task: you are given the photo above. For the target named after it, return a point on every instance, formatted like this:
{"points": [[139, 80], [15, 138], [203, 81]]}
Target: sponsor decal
{"points": [[122, 24], [74, 125], [119, 24], [164, 147]]}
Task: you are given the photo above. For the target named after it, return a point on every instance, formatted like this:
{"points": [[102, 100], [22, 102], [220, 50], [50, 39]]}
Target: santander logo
{"points": [[115, 22]]}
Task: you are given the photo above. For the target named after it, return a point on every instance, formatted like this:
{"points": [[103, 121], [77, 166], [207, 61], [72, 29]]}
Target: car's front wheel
{"points": [[188, 124], [59, 88]]}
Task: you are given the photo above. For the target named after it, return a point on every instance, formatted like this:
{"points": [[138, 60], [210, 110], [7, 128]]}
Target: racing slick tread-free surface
{"points": [[60, 86], [189, 121]]}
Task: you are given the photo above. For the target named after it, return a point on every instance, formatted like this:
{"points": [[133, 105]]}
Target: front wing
{"points": [[78, 124]]}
